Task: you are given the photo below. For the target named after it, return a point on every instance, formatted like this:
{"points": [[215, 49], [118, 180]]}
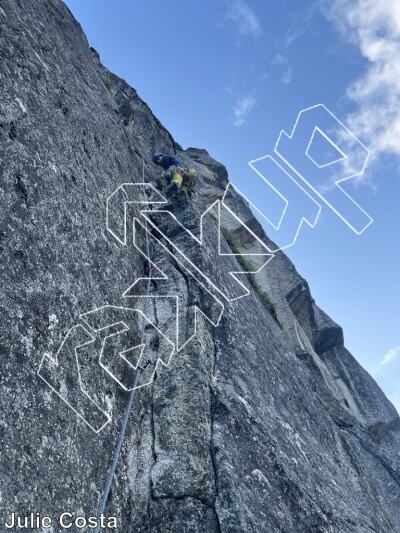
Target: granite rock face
{"points": [[264, 423]]}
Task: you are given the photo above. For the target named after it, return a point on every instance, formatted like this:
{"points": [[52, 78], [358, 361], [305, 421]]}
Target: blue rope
{"points": [[107, 488]]}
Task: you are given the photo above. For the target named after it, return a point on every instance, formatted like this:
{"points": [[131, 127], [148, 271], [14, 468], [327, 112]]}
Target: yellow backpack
{"points": [[189, 178]]}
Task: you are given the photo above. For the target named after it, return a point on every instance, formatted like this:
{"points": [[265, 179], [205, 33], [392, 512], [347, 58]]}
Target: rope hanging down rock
{"points": [[117, 452]]}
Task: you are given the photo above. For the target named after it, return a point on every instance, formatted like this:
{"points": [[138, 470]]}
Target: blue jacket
{"points": [[169, 160]]}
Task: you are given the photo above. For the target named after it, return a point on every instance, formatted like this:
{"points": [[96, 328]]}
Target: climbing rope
{"points": [[117, 452]]}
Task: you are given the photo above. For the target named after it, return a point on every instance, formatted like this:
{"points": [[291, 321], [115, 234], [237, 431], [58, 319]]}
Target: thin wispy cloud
{"points": [[374, 27], [296, 29], [241, 110], [244, 19], [390, 356], [283, 62]]}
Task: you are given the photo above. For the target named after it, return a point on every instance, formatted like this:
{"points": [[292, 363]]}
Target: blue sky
{"points": [[228, 76]]}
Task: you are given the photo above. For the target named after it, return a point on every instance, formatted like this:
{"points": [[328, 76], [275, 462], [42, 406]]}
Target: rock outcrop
{"points": [[264, 423]]}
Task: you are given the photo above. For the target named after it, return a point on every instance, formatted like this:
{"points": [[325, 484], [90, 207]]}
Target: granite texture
{"points": [[265, 423]]}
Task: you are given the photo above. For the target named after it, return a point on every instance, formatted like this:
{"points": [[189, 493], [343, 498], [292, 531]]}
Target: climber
{"points": [[175, 172]]}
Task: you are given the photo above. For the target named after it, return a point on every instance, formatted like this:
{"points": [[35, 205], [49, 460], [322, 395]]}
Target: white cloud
{"points": [[242, 108], [244, 18], [392, 354], [281, 60], [297, 27], [374, 26]]}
